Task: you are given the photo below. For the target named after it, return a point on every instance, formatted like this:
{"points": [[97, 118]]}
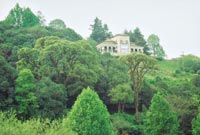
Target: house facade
{"points": [[119, 45]]}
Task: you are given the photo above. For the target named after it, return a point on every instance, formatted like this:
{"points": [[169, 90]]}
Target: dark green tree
{"points": [[114, 72], [137, 38], [7, 77], [160, 119], [22, 17], [29, 18], [15, 17], [89, 116], [99, 31], [52, 99]]}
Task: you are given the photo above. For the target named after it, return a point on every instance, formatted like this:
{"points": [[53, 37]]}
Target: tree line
{"points": [[47, 72]]}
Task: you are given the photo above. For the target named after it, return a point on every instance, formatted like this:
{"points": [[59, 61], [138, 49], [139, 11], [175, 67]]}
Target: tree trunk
{"points": [[136, 98], [123, 107], [119, 107]]}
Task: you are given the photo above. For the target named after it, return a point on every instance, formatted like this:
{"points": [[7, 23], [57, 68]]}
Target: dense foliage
{"points": [[43, 69], [196, 125]]}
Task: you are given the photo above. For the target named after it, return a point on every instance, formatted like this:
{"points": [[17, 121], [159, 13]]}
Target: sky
{"points": [[176, 22]]}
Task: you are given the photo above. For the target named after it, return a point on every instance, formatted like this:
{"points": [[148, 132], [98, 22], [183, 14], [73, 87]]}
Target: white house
{"points": [[119, 45]]}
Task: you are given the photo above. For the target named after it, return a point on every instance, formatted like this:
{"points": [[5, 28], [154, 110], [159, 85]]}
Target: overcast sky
{"points": [[176, 22]]}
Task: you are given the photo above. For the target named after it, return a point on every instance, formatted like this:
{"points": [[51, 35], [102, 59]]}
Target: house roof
{"points": [[121, 35]]}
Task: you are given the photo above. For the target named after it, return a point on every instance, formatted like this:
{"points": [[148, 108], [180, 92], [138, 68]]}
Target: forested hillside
{"points": [[54, 82]]}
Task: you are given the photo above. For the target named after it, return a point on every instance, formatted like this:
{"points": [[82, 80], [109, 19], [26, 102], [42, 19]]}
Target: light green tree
{"points": [[156, 49], [25, 97], [160, 119], [89, 116], [57, 24], [121, 95]]}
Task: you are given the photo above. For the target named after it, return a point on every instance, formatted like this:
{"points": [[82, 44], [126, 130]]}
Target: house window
{"points": [[131, 49], [114, 49], [136, 50], [105, 48], [109, 49]]}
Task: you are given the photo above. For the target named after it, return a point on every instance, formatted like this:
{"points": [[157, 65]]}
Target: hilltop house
{"points": [[119, 45]]}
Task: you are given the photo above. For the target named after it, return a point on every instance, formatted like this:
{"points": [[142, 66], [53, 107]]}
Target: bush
{"points": [[196, 125]]}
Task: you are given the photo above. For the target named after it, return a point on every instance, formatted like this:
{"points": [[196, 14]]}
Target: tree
{"points": [[52, 98], [89, 115], [15, 16], [67, 33], [74, 64], [114, 72], [196, 80], [7, 77], [99, 31], [139, 65], [22, 17], [190, 63], [57, 24], [137, 38], [160, 120], [156, 49], [25, 97], [121, 94], [196, 125]]}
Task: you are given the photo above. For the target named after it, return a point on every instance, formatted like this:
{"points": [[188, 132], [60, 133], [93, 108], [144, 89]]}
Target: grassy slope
{"points": [[169, 71]]}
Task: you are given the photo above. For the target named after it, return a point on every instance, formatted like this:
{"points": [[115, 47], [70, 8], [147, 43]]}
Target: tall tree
{"points": [[89, 116], [99, 31], [15, 16], [160, 120], [156, 49], [29, 18], [22, 17], [137, 38], [139, 65]]}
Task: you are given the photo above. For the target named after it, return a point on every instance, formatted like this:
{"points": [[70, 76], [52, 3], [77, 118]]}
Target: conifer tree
{"points": [[160, 120], [89, 115], [99, 31]]}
